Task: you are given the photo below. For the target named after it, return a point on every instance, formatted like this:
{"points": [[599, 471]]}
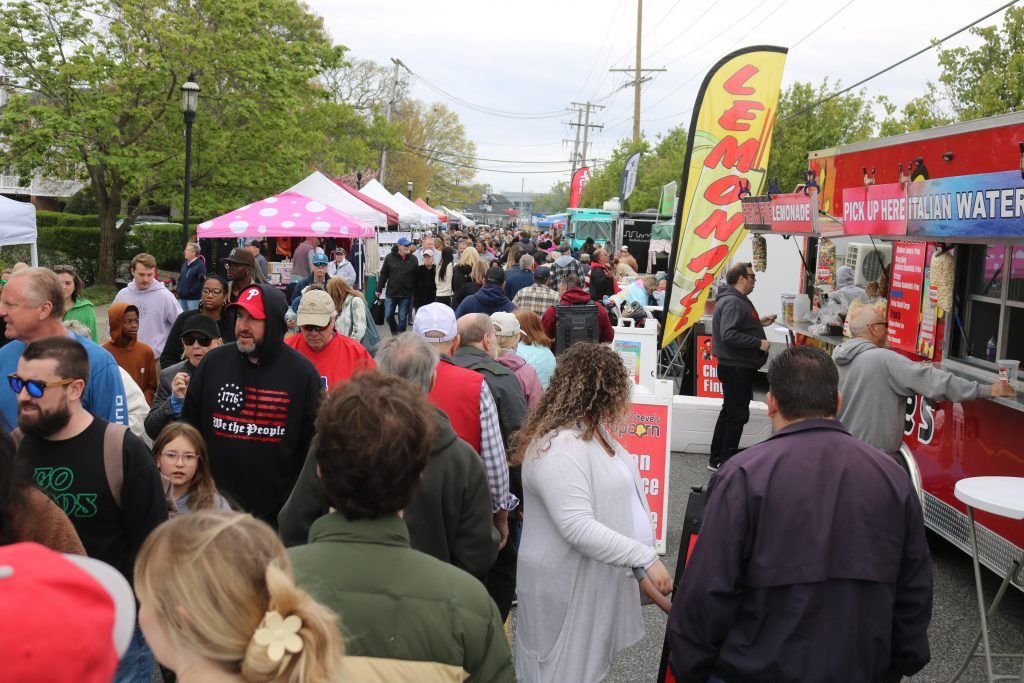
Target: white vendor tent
{"points": [[18, 225], [425, 217], [407, 217], [321, 188], [458, 217]]}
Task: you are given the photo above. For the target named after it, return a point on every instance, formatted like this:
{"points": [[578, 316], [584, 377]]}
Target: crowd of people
{"points": [[292, 498]]}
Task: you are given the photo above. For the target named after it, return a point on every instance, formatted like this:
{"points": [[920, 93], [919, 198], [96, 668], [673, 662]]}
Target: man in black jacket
{"points": [[255, 402], [738, 340], [479, 352], [398, 275]]}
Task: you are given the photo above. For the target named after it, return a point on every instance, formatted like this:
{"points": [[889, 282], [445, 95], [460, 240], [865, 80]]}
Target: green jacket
{"points": [[405, 615], [84, 312], [449, 517]]}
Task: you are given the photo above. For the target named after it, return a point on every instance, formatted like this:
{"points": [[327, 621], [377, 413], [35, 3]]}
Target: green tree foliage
{"points": [[437, 156], [846, 119], [989, 79], [95, 94], [554, 200], [920, 113], [658, 166]]}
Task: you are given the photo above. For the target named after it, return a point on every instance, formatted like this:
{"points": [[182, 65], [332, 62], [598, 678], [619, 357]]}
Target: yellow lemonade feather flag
{"points": [[730, 136]]}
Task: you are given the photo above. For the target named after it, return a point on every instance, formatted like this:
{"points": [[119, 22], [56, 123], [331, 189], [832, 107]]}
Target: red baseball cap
{"points": [[251, 299], [67, 618]]}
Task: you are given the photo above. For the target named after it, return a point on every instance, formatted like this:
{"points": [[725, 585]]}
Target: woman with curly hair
{"points": [[587, 524]]}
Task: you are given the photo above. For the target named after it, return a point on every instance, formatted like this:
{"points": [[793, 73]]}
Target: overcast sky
{"points": [[533, 57]]}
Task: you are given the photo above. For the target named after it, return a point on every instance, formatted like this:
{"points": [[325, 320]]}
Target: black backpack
{"points": [[575, 323]]}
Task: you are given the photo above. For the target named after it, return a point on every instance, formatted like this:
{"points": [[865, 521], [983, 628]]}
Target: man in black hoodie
{"points": [[738, 340], [255, 402]]}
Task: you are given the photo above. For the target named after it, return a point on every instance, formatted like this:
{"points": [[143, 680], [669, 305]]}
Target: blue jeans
{"points": [[403, 304], [137, 664], [189, 304]]}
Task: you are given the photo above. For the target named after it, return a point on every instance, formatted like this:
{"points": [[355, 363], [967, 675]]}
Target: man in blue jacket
{"points": [[738, 341], [812, 563], [519, 276], [490, 299], [32, 304], [193, 271]]}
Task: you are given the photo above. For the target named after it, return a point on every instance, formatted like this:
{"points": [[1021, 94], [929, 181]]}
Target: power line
{"points": [[934, 43], [477, 168], [815, 29], [604, 43], [482, 109], [510, 144], [476, 158], [687, 29]]}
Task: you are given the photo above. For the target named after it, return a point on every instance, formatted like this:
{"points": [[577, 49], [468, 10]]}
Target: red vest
{"points": [[456, 393]]}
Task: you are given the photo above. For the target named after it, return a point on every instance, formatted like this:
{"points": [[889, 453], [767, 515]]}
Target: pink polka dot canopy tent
{"points": [[288, 214]]}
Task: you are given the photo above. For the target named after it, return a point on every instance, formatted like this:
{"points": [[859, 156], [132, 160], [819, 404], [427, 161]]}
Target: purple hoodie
{"points": [[527, 376], [158, 309]]}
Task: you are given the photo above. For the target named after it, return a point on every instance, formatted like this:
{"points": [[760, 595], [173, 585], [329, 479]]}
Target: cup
{"points": [[1008, 369]]}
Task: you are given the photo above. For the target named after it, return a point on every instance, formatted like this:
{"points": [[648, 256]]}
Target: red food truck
{"points": [[956, 190]]}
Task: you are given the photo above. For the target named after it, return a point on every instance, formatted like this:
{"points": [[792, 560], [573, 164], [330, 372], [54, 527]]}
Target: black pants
{"points": [[737, 386], [501, 579]]}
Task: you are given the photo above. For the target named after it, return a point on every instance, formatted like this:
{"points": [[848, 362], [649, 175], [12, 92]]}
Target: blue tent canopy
{"points": [[550, 221]]}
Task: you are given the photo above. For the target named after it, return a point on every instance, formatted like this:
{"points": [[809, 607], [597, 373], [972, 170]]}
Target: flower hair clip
{"points": [[279, 634]]}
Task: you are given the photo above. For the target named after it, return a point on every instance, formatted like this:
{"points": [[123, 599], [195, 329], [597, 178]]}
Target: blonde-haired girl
{"points": [[217, 601]]}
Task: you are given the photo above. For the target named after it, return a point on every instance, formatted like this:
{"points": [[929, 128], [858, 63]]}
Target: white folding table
{"points": [[1003, 496]]}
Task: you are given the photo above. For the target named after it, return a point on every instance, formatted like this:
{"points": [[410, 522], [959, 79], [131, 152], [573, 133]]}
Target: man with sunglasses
{"points": [[739, 342], [876, 383], [32, 305], [255, 402], [335, 356], [65, 448], [200, 335]]}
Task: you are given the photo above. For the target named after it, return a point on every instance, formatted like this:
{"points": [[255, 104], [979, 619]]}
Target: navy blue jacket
{"points": [[515, 279], [190, 283], [811, 565], [490, 299]]}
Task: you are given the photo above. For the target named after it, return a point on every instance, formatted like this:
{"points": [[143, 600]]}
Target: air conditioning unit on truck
{"points": [[956, 189]]}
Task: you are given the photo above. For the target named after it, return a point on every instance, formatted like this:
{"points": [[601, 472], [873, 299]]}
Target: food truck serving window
{"points": [[990, 303]]}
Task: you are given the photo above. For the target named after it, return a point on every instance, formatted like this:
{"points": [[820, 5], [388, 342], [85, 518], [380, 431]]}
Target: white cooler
{"points": [[693, 423]]}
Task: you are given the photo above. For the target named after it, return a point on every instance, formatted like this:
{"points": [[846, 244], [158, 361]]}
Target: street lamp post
{"points": [[189, 100], [408, 187]]}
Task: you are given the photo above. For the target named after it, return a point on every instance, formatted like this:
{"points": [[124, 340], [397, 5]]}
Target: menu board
{"points": [[904, 322]]}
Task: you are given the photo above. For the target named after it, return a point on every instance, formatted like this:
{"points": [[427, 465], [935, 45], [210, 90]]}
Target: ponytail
{"points": [[317, 659]]}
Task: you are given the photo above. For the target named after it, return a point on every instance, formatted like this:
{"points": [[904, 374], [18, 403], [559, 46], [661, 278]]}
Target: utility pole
{"points": [[391, 105], [584, 109], [576, 145], [637, 73]]}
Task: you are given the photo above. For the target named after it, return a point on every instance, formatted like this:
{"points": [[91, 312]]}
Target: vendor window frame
{"points": [[989, 302]]}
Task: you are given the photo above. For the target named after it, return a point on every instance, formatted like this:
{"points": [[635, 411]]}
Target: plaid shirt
{"points": [[492, 450], [536, 298], [574, 267]]}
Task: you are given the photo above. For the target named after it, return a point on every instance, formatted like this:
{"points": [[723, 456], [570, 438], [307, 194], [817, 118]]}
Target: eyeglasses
{"points": [[64, 269], [189, 458], [751, 276], [881, 323], [190, 339], [214, 292], [35, 387], [316, 328]]}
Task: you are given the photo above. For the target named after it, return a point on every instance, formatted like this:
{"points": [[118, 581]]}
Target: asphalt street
{"points": [[954, 616]]}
